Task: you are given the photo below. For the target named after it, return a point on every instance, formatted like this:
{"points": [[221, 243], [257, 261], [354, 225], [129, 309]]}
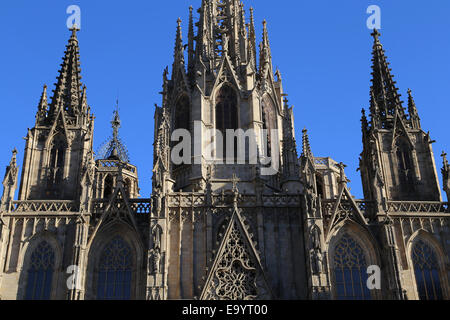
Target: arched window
{"points": [[182, 114], [350, 270], [40, 272], [108, 187], [405, 165], [127, 186], [56, 167], [269, 121], [115, 271], [226, 114], [426, 269]]}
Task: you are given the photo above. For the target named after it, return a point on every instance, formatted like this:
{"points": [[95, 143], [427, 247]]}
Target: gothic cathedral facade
{"points": [[215, 229]]}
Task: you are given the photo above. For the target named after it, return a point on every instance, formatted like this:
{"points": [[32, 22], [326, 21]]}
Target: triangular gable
{"points": [[60, 121], [398, 121], [226, 69], [181, 78], [237, 273], [341, 213], [117, 210]]}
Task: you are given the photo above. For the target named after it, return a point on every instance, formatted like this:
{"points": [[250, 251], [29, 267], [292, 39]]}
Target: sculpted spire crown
{"points": [[113, 148], [384, 93], [68, 93]]}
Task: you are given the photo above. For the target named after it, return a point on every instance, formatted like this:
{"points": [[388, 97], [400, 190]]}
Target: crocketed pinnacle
{"points": [[67, 94]]}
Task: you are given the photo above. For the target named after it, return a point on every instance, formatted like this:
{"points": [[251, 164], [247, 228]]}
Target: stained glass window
{"points": [[115, 270], [350, 270], [426, 269], [40, 272]]}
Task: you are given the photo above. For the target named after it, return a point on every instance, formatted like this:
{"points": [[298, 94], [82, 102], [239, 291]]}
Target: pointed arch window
{"points": [[56, 166], [405, 165], [182, 118], [269, 122], [108, 187], [426, 270], [40, 272], [226, 114], [350, 270], [115, 271], [127, 187], [183, 114]]}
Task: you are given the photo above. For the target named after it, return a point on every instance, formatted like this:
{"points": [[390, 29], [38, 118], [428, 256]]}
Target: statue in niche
{"points": [[157, 202], [156, 237], [155, 261], [155, 252], [316, 251]]}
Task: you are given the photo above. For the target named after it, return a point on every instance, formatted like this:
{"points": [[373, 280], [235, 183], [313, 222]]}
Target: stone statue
{"points": [[155, 261], [316, 251]]}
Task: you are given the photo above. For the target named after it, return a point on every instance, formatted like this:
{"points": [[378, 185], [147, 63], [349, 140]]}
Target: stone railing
{"points": [[43, 206], [138, 206], [141, 206], [345, 205], [417, 207], [225, 199], [115, 164]]}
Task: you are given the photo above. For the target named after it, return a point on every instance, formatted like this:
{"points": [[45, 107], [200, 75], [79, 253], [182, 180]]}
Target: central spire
{"points": [[68, 94], [384, 93], [113, 148]]}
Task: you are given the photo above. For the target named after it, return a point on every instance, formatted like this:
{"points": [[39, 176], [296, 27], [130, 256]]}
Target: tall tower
{"points": [[61, 141], [219, 88], [113, 163], [227, 187], [397, 162]]}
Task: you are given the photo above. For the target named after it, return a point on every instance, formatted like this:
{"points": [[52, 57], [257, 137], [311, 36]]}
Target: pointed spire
{"points": [[412, 110], [289, 150], [113, 148], [446, 174], [364, 123], [252, 39], [13, 162], [384, 91], [43, 106], [306, 148], [265, 54], [67, 93], [179, 49], [445, 166], [84, 104], [191, 36]]}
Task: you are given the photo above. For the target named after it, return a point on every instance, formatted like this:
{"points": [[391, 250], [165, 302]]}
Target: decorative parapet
{"points": [[138, 206], [325, 163], [417, 207], [115, 164], [345, 205], [31, 206], [225, 199]]}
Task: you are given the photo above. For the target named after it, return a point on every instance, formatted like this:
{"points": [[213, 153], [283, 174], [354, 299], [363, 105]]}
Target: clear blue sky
{"points": [[321, 47]]}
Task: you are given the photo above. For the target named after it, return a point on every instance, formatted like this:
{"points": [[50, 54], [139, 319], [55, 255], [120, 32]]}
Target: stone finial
{"points": [[342, 177]]}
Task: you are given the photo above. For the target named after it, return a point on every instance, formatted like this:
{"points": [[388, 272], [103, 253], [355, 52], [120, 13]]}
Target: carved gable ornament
{"points": [[236, 273]]}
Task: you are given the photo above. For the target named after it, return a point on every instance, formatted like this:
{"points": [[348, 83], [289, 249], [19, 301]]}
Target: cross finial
{"points": [[375, 34], [74, 30]]}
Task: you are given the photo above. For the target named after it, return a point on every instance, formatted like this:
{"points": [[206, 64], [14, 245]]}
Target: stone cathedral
{"points": [[214, 229]]}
